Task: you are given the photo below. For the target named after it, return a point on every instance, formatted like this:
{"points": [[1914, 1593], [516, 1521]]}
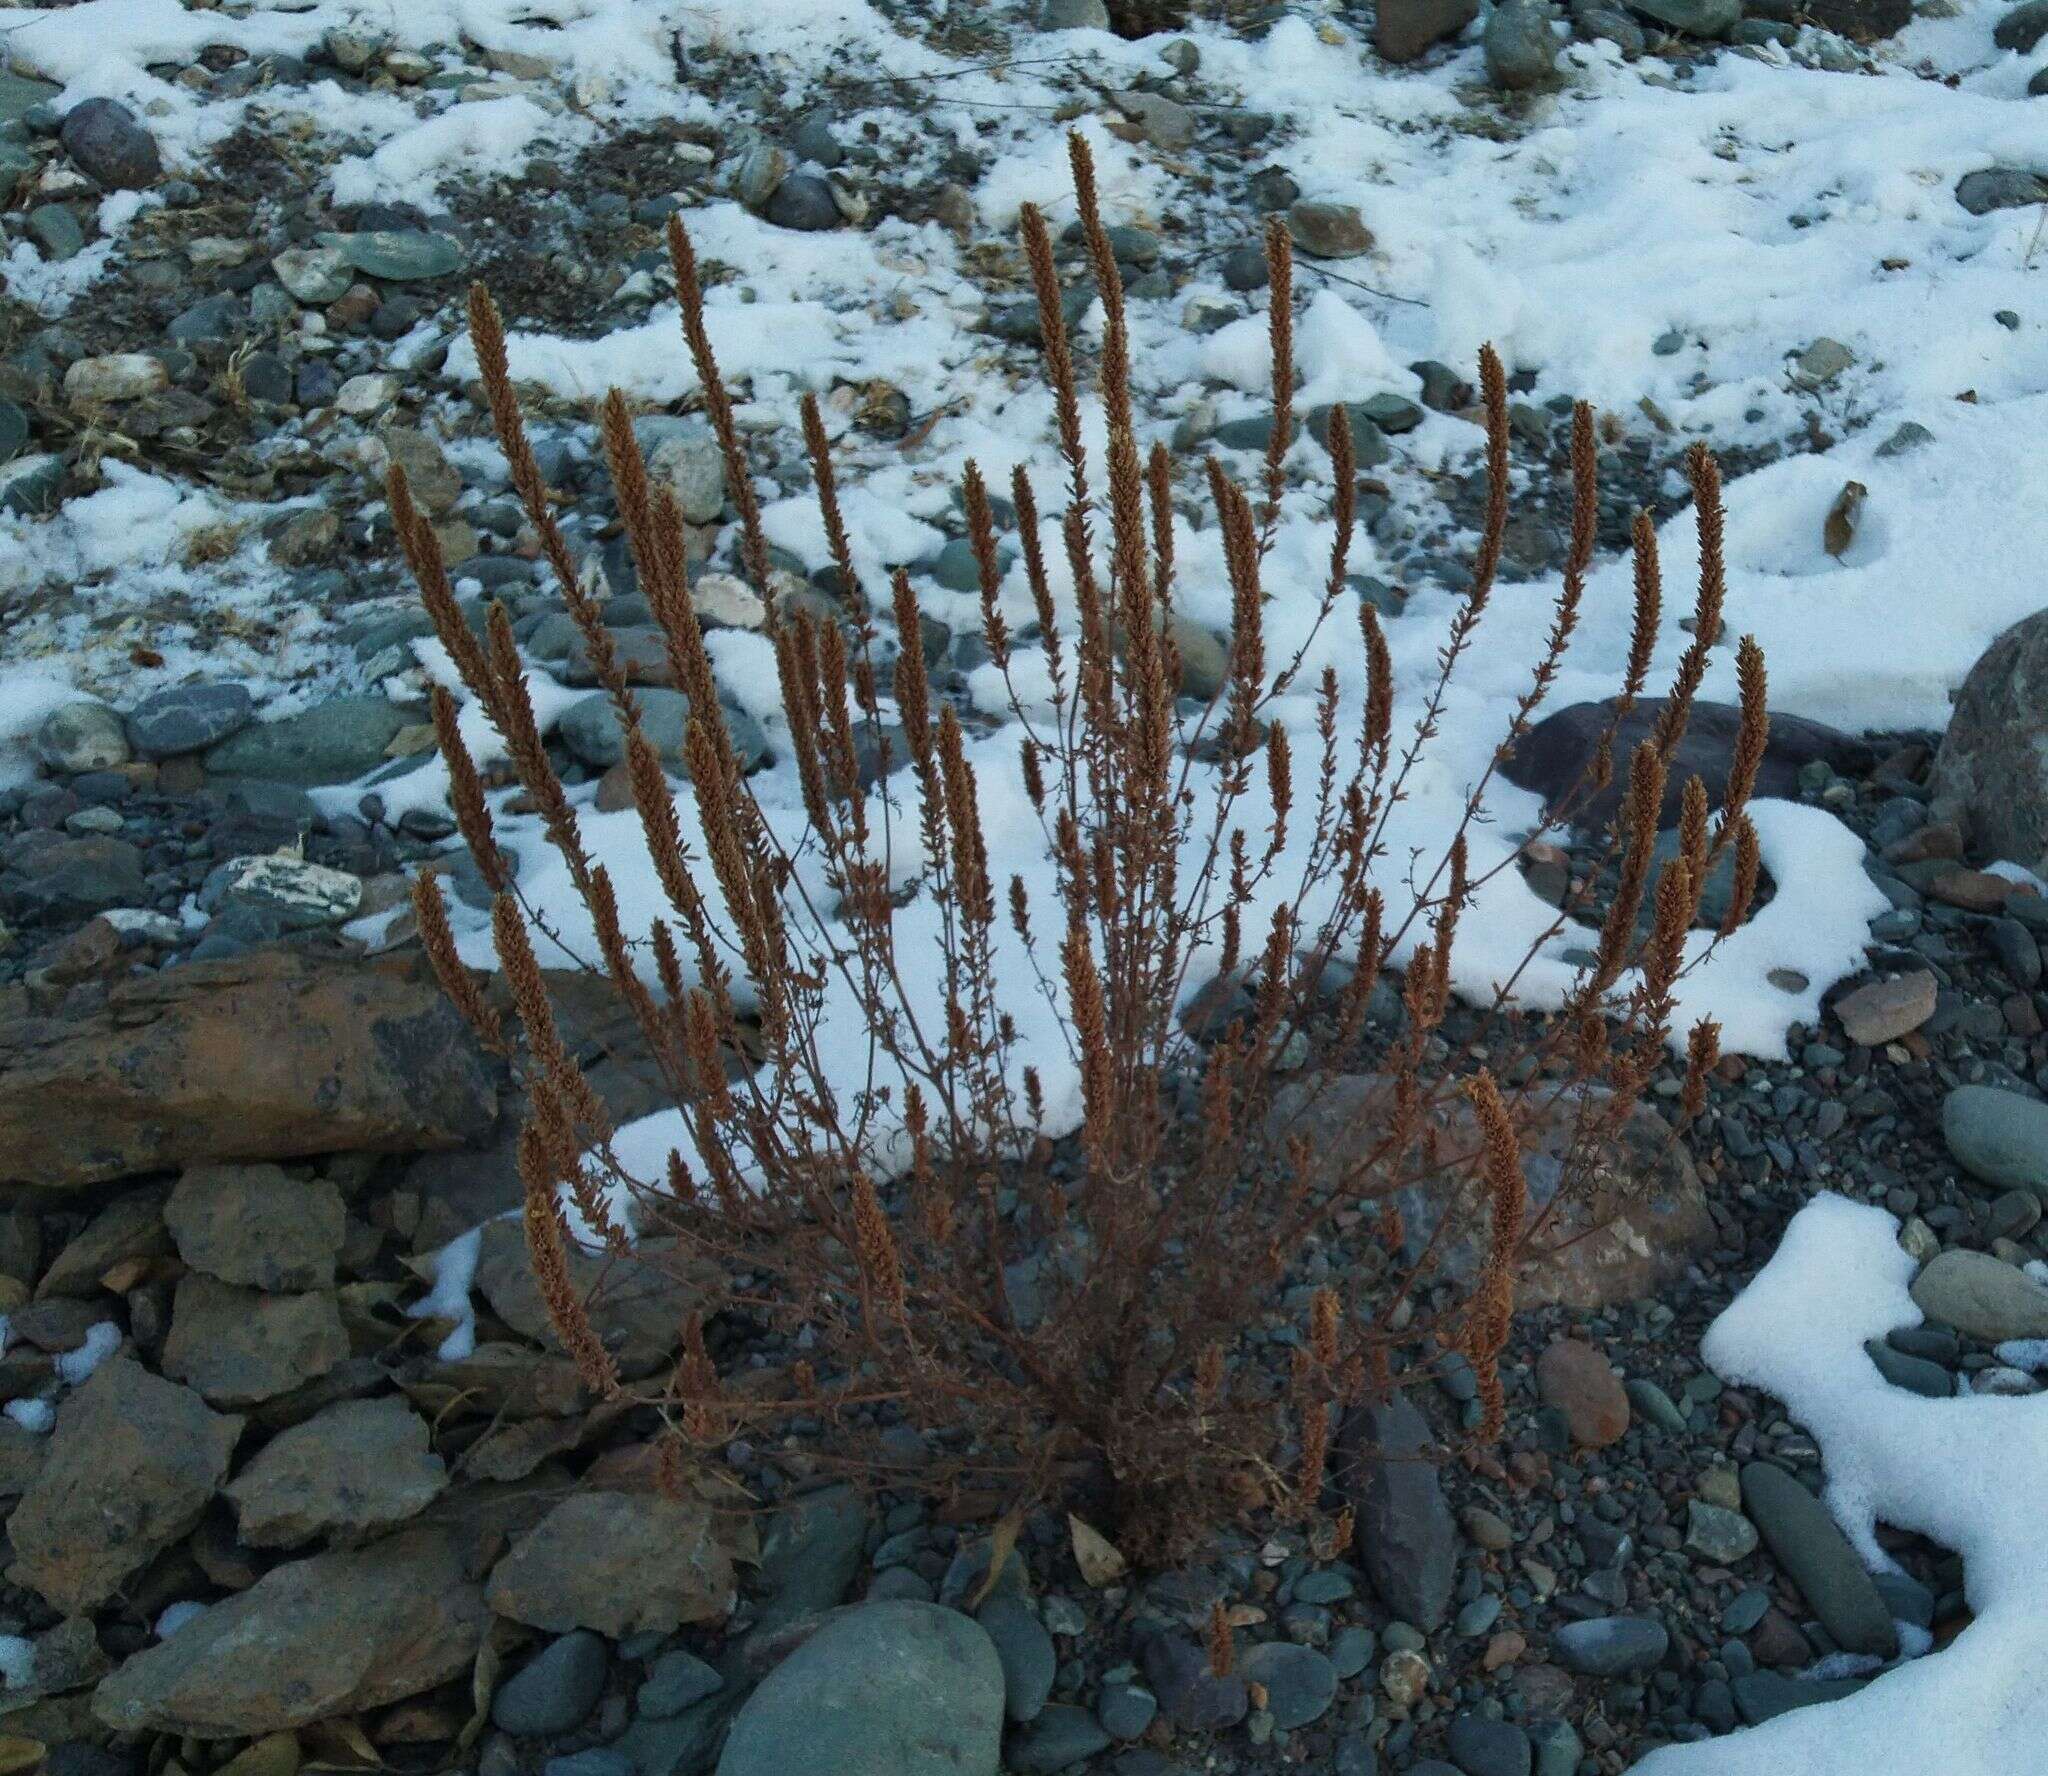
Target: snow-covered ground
{"points": [[1663, 237]]}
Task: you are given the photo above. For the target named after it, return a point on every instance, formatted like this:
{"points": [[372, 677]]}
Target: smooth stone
{"points": [[1482, 1747], [1807, 1542], [333, 742], [555, 1691], [1999, 1137], [1982, 1296], [1300, 1682], [676, 1681], [1611, 1646], [82, 736], [1026, 1652], [1060, 1736]]}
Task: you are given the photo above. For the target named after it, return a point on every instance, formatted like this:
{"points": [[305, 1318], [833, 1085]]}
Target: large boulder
{"points": [[1634, 1223], [133, 1464], [883, 1689], [1553, 755], [1993, 761], [271, 1055], [332, 1635]]}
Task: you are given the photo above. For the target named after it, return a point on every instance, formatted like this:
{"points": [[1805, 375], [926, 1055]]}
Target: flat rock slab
{"points": [[256, 1226], [332, 1635], [239, 1346], [356, 1468], [134, 1461], [884, 1689], [273, 1055], [619, 1563]]}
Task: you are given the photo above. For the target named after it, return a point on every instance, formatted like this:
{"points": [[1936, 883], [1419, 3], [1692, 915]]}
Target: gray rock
{"points": [[256, 1226], [1325, 230], [132, 1465], [1554, 753], [1026, 1652], [1611, 1646], [1160, 121], [883, 1689], [211, 318], [1057, 1739], [281, 893], [333, 742], [55, 229], [1406, 1540], [1300, 1682], [1073, 15], [82, 736], [1999, 1137], [237, 1346], [434, 482], [676, 1681], [685, 455], [1521, 48], [554, 1691], [591, 730], [811, 1555], [1482, 1747], [333, 1635], [13, 430], [1915, 1374], [188, 718], [104, 138], [618, 1563], [1982, 1296], [1403, 29], [1696, 18], [1764, 1695], [348, 1472], [1125, 1710], [75, 878], [1809, 1545], [2022, 27], [1910, 435], [1557, 1746], [1993, 758], [1193, 1699], [2001, 188], [804, 201]]}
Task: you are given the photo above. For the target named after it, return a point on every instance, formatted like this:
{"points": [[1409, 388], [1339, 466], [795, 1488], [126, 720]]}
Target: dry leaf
{"points": [[1098, 1560], [1002, 1543], [339, 1744], [1840, 529]]}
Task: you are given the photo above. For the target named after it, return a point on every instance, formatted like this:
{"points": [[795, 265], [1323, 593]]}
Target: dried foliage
{"points": [[1087, 1315]]}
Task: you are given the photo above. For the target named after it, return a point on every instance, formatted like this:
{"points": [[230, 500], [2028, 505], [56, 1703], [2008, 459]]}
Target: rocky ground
{"points": [[265, 1512]]}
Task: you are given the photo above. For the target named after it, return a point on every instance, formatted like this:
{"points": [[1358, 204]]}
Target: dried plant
{"points": [[1067, 1311]]}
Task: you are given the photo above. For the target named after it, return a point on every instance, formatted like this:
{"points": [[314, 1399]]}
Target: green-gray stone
{"points": [[1696, 18], [884, 1689], [399, 255], [55, 229], [1810, 1546], [1999, 1137], [333, 742]]}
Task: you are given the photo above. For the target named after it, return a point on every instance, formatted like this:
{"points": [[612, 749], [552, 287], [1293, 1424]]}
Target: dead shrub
{"points": [[1082, 1312]]}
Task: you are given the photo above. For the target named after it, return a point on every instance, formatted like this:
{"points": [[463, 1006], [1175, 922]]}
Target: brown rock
{"points": [[617, 1563], [128, 1231], [1976, 891], [332, 1635], [1575, 1378], [238, 1346], [255, 1226], [1993, 758], [1639, 1220], [133, 1463], [265, 1056], [353, 1469], [1403, 29], [1883, 1011]]}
